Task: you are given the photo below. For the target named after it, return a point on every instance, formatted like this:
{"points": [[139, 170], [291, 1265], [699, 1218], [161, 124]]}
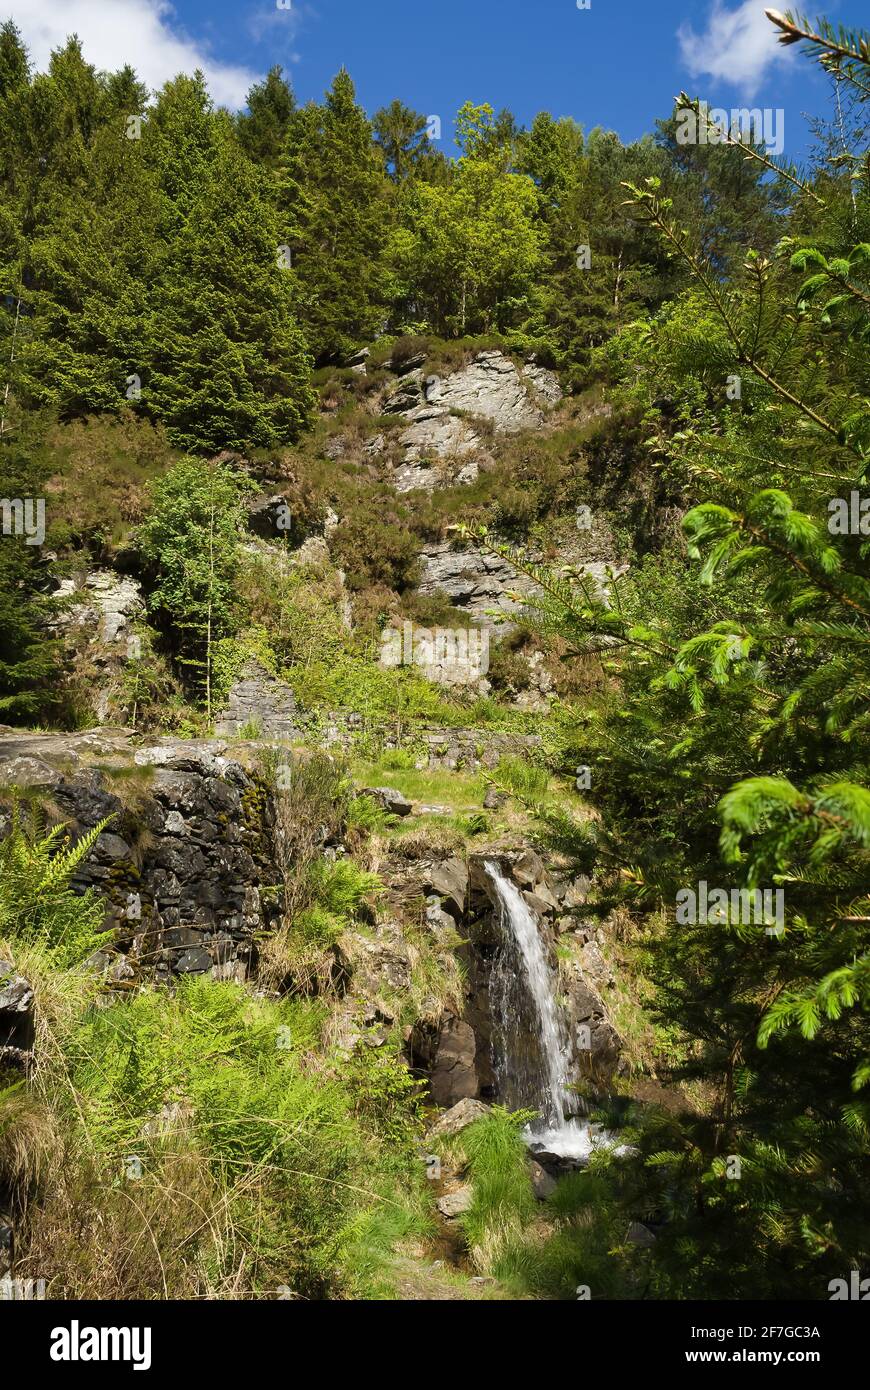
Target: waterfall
{"points": [[532, 1054]]}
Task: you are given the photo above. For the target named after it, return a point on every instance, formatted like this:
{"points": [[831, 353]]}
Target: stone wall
{"points": [[184, 864]]}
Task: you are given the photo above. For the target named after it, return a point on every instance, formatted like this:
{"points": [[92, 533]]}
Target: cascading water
{"points": [[531, 1052]]}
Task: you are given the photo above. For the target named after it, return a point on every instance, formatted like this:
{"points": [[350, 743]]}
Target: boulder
{"points": [[453, 1204], [407, 396], [527, 869], [543, 1183], [453, 1076], [389, 799], [458, 1117], [26, 771], [540, 905]]}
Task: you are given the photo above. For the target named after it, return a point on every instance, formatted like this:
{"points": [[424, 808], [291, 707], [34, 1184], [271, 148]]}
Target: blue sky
{"points": [[618, 63]]}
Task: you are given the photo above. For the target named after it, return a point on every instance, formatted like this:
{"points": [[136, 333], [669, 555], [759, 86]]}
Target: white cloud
{"points": [[143, 33], [738, 46]]}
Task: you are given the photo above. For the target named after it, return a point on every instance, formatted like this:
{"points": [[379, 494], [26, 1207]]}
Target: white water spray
{"points": [[532, 1071]]}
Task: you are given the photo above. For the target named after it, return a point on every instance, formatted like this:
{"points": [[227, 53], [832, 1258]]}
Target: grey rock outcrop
{"points": [[107, 604], [474, 580], [458, 1117], [441, 412], [492, 389]]}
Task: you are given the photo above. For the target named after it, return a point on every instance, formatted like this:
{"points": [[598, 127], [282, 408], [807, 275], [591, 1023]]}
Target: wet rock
{"points": [[527, 869], [543, 1183], [454, 1076]]}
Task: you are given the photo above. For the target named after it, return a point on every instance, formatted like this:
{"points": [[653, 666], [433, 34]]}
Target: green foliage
{"points": [[28, 655], [133, 279], [733, 754], [334, 201], [291, 1152], [190, 542], [502, 1197], [37, 903], [468, 249]]}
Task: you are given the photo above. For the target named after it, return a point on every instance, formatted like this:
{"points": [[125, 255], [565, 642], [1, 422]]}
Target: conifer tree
{"points": [[263, 128], [225, 365], [28, 652], [336, 203]]}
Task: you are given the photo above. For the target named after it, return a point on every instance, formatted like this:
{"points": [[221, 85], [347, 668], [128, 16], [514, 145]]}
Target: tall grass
{"points": [[199, 1143]]}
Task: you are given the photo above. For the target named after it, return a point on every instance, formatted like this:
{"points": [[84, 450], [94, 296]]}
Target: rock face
{"points": [[270, 517], [440, 444], [453, 1076], [455, 1203], [492, 389], [490, 590], [259, 701], [96, 624], [182, 869], [445, 656], [473, 580], [110, 603]]}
